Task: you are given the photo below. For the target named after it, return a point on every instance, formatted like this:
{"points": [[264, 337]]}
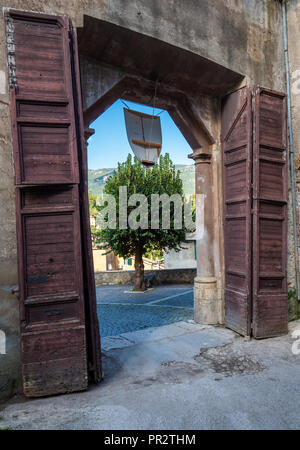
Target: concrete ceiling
{"points": [[151, 58]]}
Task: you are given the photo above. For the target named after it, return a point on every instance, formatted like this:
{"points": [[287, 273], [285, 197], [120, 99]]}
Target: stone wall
{"points": [[293, 22], [167, 276]]}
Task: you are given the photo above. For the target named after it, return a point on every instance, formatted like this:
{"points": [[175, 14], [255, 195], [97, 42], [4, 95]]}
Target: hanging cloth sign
{"points": [[144, 136]]}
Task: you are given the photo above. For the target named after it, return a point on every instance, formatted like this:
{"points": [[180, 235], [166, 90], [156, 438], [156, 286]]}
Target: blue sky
{"points": [[109, 144]]}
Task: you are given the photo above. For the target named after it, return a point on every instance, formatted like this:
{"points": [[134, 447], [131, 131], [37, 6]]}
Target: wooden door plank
{"points": [[270, 194], [53, 332], [237, 154]]}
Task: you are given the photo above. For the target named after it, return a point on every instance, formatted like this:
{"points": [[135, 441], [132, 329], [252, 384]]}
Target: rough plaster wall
{"points": [[240, 34], [96, 79], [9, 321], [293, 20], [207, 109]]}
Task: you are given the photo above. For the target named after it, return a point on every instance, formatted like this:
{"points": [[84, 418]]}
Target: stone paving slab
{"points": [[150, 334], [148, 350], [113, 342]]}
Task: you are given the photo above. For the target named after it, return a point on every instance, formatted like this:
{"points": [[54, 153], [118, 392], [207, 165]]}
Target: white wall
{"points": [[184, 259]]}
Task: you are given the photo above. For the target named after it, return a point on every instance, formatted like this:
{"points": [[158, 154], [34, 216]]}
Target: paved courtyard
{"points": [[121, 311], [180, 376]]}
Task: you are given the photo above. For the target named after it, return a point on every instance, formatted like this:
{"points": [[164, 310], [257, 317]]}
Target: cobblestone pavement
{"points": [[121, 311]]}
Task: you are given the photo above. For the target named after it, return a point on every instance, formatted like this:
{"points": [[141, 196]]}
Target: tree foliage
{"points": [[163, 178], [94, 211]]}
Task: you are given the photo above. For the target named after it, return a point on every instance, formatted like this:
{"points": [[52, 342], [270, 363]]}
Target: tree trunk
{"points": [[139, 282]]}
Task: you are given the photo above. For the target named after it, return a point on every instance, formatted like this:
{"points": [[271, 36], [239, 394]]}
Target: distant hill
{"points": [[98, 177], [187, 174]]}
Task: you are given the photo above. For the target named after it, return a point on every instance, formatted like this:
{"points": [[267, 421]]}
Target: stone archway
{"points": [[52, 190], [207, 298], [118, 62], [53, 333]]}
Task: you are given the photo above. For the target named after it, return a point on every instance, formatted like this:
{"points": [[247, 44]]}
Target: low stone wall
{"points": [[166, 276]]}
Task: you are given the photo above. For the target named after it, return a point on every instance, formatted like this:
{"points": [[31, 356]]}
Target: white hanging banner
{"points": [[144, 136]]}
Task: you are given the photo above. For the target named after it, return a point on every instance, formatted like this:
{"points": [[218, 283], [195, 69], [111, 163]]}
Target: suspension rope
{"points": [[155, 91], [124, 104], [161, 112]]}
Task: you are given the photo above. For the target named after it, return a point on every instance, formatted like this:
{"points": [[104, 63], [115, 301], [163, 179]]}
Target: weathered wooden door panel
{"points": [[49, 219], [44, 127], [255, 202], [270, 302], [53, 340], [92, 326], [236, 152]]}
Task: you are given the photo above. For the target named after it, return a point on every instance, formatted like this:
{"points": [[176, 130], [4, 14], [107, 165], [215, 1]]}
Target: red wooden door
{"points": [[270, 194], [255, 216], [237, 160], [48, 168]]}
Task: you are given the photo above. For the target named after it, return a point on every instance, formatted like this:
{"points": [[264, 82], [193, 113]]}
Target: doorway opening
{"points": [[168, 274], [58, 318]]}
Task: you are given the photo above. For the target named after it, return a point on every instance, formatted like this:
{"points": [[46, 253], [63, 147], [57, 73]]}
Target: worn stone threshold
{"points": [[153, 334]]}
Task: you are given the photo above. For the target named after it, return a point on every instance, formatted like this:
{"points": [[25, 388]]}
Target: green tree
{"points": [[93, 205], [94, 211], [163, 178]]}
